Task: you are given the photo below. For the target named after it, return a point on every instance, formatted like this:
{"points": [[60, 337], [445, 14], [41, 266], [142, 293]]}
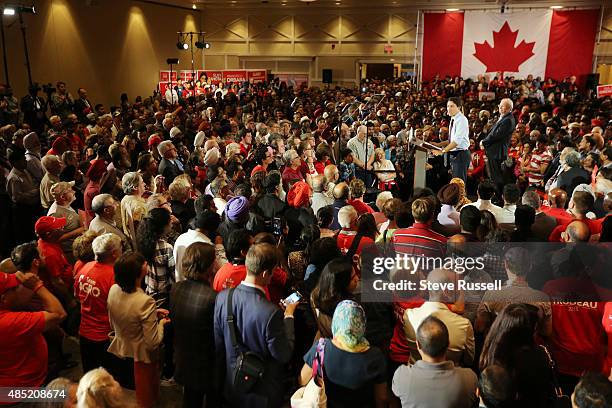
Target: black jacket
{"points": [[497, 141], [568, 180], [169, 170]]}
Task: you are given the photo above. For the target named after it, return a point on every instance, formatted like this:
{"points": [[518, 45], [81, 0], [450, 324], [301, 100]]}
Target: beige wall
{"points": [[120, 45], [116, 47]]}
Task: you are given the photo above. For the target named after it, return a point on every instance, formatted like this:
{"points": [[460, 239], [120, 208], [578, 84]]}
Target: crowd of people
{"points": [[221, 241]]}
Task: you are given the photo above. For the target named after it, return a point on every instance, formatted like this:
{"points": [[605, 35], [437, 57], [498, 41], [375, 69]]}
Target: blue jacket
{"points": [[261, 329]]}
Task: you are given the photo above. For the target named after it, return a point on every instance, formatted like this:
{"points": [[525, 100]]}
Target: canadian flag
{"points": [[543, 42]]}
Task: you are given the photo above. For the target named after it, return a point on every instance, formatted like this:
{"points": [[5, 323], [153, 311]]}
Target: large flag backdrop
{"points": [[544, 42]]}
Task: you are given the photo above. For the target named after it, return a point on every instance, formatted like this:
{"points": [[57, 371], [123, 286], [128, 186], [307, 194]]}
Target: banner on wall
{"points": [[235, 76], [164, 76], [544, 43], [604, 90], [225, 76], [257, 75], [294, 80]]}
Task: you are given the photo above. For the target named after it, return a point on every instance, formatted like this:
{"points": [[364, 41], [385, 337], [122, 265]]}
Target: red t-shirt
{"points": [[360, 206], [577, 342], [606, 321], [289, 175], [345, 240], [91, 286], [562, 216], [23, 349], [229, 276], [594, 227], [55, 261], [399, 349]]}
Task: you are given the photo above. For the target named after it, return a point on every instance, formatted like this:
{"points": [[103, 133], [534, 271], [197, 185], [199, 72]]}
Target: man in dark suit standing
{"points": [[82, 106], [497, 141], [170, 167], [260, 328]]}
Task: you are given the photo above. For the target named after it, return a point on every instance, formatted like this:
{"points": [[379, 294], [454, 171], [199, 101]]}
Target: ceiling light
{"points": [[556, 7], [193, 6], [452, 9], [9, 11]]}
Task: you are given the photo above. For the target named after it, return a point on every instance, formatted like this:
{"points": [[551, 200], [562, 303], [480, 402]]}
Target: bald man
{"points": [[557, 198], [497, 141], [576, 231]]}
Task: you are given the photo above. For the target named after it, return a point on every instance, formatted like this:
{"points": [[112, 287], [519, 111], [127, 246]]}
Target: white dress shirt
{"points": [[188, 238], [460, 132], [497, 211]]}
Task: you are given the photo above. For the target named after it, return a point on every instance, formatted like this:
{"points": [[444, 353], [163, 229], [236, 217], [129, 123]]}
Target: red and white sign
{"points": [[213, 76], [545, 43], [186, 75], [604, 90], [164, 76], [235, 76], [294, 80], [257, 75], [163, 87]]}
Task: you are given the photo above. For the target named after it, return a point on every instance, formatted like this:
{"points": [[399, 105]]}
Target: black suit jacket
{"points": [[261, 329], [82, 110], [497, 141], [568, 180], [169, 170]]}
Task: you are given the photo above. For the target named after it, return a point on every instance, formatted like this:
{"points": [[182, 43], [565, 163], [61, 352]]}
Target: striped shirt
{"points": [[537, 160], [419, 240]]}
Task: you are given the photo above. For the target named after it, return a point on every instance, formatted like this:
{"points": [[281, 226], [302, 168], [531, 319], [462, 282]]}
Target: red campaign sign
{"points": [[234, 76], [164, 76], [186, 75], [604, 90], [258, 75], [163, 87], [213, 76]]}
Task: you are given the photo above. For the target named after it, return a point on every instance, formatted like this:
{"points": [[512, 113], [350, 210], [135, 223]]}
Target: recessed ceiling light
{"points": [[452, 9], [307, 1], [338, 3], [556, 7]]}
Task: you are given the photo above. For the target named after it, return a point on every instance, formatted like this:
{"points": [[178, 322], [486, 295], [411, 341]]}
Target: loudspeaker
{"points": [[327, 76], [172, 61], [592, 81]]}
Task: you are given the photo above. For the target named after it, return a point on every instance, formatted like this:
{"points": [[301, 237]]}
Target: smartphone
{"points": [[277, 226], [292, 298]]}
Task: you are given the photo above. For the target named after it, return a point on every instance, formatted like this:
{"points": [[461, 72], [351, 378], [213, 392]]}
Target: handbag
{"points": [[250, 367], [559, 400], [313, 395]]}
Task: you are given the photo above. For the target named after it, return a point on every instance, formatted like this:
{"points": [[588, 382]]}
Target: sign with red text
{"points": [[604, 90], [235, 76], [164, 76], [257, 75]]}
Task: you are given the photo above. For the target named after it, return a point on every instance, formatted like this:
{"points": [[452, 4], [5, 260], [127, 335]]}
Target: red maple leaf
{"points": [[504, 56]]}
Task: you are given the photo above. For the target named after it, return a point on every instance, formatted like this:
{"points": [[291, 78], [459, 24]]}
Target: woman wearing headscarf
{"points": [[463, 200], [299, 214], [353, 371]]}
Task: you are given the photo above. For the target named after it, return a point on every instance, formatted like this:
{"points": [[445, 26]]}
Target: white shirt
{"points": [[507, 214], [448, 216], [460, 331], [188, 238], [459, 132], [320, 200], [492, 208], [171, 96]]}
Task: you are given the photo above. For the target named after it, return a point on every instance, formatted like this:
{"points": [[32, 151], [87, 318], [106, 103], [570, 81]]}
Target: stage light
{"points": [[194, 6], [182, 45], [9, 11], [452, 9], [556, 7], [206, 45]]}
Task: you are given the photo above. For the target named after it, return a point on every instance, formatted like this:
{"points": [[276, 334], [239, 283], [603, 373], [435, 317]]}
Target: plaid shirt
{"points": [[160, 276]]}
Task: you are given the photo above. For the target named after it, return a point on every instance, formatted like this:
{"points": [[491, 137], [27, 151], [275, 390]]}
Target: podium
{"points": [[420, 164]]}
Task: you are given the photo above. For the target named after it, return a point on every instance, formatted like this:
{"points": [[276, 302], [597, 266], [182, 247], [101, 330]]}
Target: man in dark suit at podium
{"points": [[497, 141]]}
